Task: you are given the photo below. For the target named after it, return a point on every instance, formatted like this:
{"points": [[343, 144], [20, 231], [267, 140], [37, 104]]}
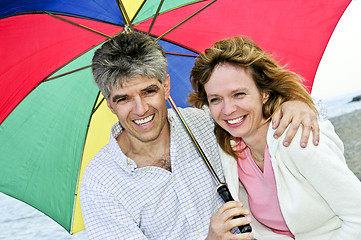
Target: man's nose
{"points": [[140, 107]]}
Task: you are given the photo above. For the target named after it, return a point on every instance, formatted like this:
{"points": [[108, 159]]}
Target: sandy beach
{"points": [[348, 127]]}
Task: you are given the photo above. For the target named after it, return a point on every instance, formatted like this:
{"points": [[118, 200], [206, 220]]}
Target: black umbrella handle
{"points": [[225, 194]]}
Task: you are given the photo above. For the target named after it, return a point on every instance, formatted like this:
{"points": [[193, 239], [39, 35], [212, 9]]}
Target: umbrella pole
{"points": [[222, 188]]}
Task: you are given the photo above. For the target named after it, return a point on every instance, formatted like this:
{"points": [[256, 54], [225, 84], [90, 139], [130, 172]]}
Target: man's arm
{"points": [[294, 113]]}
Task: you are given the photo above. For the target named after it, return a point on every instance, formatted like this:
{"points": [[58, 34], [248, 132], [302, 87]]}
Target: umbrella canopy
{"points": [[53, 118]]}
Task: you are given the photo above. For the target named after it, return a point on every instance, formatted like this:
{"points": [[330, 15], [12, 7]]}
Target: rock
{"points": [[356, 99]]}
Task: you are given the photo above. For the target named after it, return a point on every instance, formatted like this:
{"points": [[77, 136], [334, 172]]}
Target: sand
{"points": [[348, 127]]}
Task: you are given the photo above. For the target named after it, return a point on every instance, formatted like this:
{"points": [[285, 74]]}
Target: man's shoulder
{"points": [[102, 162]]}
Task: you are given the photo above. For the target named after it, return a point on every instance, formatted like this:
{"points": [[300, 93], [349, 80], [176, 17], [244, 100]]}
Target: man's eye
{"points": [[148, 92], [123, 99]]}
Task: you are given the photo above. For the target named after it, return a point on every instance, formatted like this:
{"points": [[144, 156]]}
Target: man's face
{"points": [[141, 108]]}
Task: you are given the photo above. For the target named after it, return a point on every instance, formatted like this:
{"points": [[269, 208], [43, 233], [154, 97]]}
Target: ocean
{"points": [[19, 221], [342, 104]]}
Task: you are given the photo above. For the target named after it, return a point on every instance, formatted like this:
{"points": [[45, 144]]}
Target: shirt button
{"points": [[175, 178], [129, 162], [188, 206], [147, 168], [198, 233]]}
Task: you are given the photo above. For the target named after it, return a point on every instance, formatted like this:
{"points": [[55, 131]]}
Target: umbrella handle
{"points": [[225, 194]]}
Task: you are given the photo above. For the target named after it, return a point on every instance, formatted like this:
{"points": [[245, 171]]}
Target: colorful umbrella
{"points": [[53, 119]]}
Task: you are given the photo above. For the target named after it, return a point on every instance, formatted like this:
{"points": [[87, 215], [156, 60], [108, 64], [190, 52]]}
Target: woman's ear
{"points": [[265, 97]]}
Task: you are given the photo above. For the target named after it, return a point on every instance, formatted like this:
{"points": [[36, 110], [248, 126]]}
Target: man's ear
{"points": [[109, 105], [167, 87]]}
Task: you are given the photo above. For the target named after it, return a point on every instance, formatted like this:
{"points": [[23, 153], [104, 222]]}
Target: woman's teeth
{"points": [[144, 121], [234, 121]]}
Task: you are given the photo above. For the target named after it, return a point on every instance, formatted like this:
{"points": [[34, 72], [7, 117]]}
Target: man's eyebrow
{"points": [[154, 87], [116, 97]]}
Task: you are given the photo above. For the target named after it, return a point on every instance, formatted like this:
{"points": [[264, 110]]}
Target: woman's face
{"points": [[234, 100]]}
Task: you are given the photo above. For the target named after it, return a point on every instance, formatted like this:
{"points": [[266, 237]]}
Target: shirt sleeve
{"points": [[321, 108], [104, 216]]}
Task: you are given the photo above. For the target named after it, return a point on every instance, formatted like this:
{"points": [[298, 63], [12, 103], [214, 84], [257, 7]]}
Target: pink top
{"points": [[262, 190]]}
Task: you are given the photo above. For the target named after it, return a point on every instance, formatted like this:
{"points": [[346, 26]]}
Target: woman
{"points": [[303, 193]]}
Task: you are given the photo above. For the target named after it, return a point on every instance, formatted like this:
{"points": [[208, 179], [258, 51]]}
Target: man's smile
{"points": [[144, 121]]}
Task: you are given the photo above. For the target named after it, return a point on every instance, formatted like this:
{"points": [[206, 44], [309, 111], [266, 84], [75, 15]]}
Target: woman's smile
{"points": [[236, 121]]}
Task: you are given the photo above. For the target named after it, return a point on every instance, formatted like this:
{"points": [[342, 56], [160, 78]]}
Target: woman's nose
{"points": [[228, 107]]}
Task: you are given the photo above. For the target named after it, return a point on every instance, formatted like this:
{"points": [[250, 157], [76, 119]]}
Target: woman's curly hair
{"points": [[279, 83]]}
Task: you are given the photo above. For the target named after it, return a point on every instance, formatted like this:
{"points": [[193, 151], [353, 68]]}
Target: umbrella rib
{"points": [[70, 72], [77, 24], [181, 54], [125, 14], [155, 16], [185, 20], [97, 106], [80, 166]]}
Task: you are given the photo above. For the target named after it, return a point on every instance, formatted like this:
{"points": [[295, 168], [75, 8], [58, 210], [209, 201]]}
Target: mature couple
{"points": [[149, 182]]}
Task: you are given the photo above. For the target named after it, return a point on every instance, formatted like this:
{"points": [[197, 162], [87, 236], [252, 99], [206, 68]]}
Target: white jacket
{"points": [[320, 198]]}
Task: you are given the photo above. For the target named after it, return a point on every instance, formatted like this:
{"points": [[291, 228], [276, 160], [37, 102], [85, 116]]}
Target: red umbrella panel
{"points": [[294, 32]]}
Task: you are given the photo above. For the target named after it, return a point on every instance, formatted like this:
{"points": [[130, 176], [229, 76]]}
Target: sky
{"points": [[339, 72]]}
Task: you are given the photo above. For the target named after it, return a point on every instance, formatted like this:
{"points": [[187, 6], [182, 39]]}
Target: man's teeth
{"points": [[234, 121], [144, 121]]}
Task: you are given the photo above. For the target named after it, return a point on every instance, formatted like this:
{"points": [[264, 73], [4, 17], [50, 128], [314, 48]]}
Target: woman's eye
{"points": [[213, 100], [240, 94]]}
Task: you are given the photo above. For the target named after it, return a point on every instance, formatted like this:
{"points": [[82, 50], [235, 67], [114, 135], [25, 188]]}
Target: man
{"points": [[149, 182]]}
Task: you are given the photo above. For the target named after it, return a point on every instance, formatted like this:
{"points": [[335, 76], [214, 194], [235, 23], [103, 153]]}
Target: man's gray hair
{"points": [[126, 56]]}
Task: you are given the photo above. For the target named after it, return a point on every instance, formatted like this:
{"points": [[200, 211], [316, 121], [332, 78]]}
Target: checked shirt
{"points": [[121, 201]]}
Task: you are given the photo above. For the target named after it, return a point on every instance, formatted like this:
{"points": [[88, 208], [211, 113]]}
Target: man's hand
{"points": [[295, 113], [223, 221]]}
